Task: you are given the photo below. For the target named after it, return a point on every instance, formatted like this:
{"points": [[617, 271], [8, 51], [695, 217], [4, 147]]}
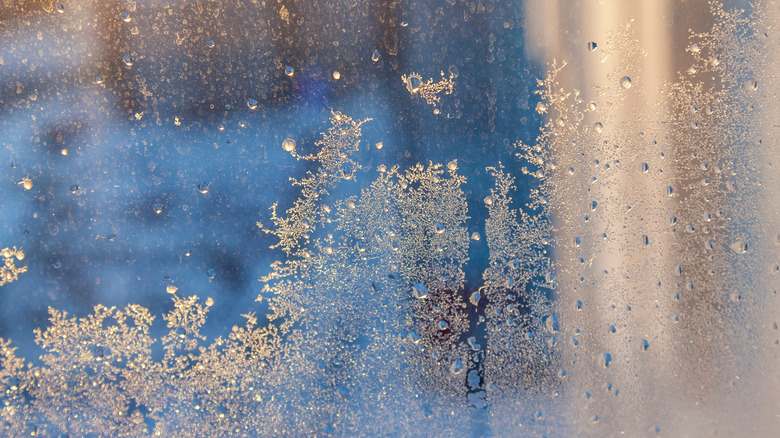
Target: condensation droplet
{"points": [[210, 44], [289, 71], [625, 82], [598, 127], [475, 236], [251, 103], [439, 227], [288, 144], [592, 46], [669, 191], [158, 207], [126, 17], [127, 60], [204, 187], [456, 367], [419, 290], [375, 56], [60, 8], [336, 75]]}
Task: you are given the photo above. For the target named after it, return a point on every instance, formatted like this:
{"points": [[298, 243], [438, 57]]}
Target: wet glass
{"points": [[457, 218]]}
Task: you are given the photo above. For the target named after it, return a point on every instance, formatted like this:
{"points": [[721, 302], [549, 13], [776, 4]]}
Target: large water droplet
{"points": [[289, 71], [413, 84], [251, 103], [625, 82], [204, 187]]}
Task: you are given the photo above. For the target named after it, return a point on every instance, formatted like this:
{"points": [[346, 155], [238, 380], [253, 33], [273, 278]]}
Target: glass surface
{"points": [[402, 218]]}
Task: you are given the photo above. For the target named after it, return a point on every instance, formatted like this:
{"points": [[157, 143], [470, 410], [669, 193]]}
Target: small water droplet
{"points": [[419, 290], [695, 48], [56, 264], [598, 127], [171, 289], [739, 246], [413, 84], [625, 82], [336, 75], [74, 188], [475, 236], [289, 71], [60, 8], [645, 345], [204, 187], [439, 227], [181, 332], [592, 46], [126, 17], [593, 205], [127, 60], [210, 44], [442, 325], [607, 359], [288, 144], [474, 299], [751, 85], [211, 273], [404, 23], [541, 108], [98, 80], [375, 56], [669, 191], [456, 367], [251, 103], [551, 324]]}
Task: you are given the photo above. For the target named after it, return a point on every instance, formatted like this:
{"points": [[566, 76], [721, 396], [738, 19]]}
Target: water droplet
{"points": [[598, 127], [60, 8], [404, 23], [751, 85], [577, 241], [210, 44], [551, 324], [739, 246], [541, 108], [111, 237], [669, 191], [645, 345], [472, 341], [56, 264], [488, 200], [289, 71], [251, 103], [442, 325], [414, 337], [336, 75], [474, 299], [625, 82], [126, 17], [645, 240], [593, 205], [375, 56], [579, 305], [204, 187], [288, 144], [420, 291], [74, 188], [439, 227], [211, 273], [98, 80], [475, 236], [413, 84], [695, 48], [127, 60], [607, 359], [181, 332], [456, 367], [171, 289], [158, 207], [592, 46]]}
